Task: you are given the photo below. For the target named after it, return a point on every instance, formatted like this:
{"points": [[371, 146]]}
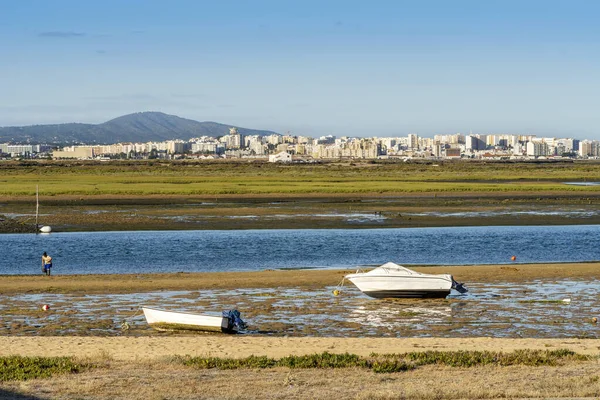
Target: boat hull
{"points": [[169, 321], [419, 287], [408, 294]]}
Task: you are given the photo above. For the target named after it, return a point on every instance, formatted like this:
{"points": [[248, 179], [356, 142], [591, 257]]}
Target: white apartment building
{"points": [[77, 152], [248, 140], [450, 139], [537, 148], [176, 146], [20, 149], [273, 139], [206, 147], [257, 147]]}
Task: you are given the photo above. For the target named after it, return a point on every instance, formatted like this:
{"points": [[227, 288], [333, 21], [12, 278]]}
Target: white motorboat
{"points": [[393, 280], [228, 322]]}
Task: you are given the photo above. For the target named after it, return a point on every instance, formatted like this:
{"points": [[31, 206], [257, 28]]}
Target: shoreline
{"points": [[301, 278]]}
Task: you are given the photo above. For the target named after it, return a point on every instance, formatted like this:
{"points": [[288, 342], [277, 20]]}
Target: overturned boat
{"points": [[229, 322], [396, 281]]}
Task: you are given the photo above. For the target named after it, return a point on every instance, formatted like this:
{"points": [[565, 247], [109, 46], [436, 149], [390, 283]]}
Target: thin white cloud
{"points": [[61, 34]]}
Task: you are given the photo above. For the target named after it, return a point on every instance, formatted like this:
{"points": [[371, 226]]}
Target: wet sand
{"points": [[131, 283]]}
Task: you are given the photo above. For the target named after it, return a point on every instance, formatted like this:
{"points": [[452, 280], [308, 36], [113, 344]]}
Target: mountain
{"points": [[138, 127]]}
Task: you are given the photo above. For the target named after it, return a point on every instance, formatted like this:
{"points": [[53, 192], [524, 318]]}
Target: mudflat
{"points": [[151, 195], [67, 213]]}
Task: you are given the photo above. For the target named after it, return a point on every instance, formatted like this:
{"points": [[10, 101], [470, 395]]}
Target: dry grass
{"points": [[166, 380]]}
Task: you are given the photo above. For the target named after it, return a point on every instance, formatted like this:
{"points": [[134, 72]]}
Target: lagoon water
{"points": [[253, 250]]}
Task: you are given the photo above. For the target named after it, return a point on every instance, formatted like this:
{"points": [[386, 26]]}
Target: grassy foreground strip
{"points": [[17, 368], [387, 363]]}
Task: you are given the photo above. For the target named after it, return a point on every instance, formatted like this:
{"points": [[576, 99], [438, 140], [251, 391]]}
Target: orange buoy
{"points": [[45, 307], [514, 258]]}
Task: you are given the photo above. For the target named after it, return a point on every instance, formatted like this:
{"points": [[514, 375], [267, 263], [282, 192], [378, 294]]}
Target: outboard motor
{"points": [[235, 320], [459, 287]]}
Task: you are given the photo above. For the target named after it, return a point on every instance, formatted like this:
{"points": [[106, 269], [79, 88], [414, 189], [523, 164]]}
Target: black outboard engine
{"points": [[459, 287], [234, 321]]}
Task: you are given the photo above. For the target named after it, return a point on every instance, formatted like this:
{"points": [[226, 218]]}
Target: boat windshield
{"points": [[392, 268]]}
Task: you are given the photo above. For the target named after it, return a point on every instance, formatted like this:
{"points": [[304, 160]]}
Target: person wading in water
{"points": [[46, 264]]}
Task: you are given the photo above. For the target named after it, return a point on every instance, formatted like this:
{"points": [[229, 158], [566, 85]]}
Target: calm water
{"points": [[250, 250]]}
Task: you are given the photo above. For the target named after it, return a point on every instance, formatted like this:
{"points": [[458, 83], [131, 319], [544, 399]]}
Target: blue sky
{"points": [[357, 68]]}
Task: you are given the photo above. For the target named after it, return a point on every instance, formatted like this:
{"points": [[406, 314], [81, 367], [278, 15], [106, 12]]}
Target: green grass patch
{"points": [[239, 178], [17, 368], [466, 359], [323, 360], [388, 363]]}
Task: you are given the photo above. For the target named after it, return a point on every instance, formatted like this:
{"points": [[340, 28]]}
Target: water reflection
{"points": [[535, 309], [549, 212]]}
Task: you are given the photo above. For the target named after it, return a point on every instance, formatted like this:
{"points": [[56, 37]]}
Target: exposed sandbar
{"points": [[132, 283]]}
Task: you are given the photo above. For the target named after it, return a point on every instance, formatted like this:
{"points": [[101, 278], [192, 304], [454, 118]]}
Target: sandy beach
{"points": [[241, 346]]}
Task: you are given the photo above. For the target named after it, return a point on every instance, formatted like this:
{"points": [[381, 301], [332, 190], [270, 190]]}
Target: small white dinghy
{"points": [[228, 322], [396, 281], [45, 229]]}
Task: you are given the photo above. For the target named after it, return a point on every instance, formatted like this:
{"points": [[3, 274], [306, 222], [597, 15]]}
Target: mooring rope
{"points": [[125, 325], [338, 289]]}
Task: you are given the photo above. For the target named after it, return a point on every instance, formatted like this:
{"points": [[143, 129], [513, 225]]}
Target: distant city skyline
{"points": [[344, 68]]}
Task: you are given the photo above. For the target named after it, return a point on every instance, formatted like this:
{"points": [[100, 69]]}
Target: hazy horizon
{"points": [[343, 68], [399, 134]]}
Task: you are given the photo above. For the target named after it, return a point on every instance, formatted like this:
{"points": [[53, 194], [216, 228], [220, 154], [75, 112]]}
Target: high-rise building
{"points": [[413, 141], [473, 143], [234, 139], [589, 148], [537, 148]]}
